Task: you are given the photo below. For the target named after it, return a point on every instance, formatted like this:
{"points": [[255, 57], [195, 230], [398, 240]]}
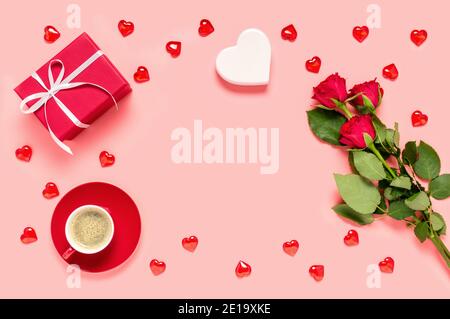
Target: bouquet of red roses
{"points": [[385, 179]]}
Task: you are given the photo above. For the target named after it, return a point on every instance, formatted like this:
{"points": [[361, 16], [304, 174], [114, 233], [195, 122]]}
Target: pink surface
{"points": [[234, 211]]}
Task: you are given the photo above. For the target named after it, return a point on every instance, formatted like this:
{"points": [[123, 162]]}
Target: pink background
{"points": [[235, 212]]}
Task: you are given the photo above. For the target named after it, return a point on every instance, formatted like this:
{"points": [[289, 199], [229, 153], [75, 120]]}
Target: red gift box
{"points": [[89, 85]]}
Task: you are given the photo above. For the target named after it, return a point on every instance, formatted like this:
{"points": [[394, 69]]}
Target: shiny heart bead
{"points": [[157, 267], [24, 153], [291, 247], [360, 33], [387, 265], [173, 48], [190, 243], [205, 28], [418, 118], [243, 269], [126, 27], [418, 37], [106, 159], [313, 65], [352, 238], [50, 190], [141, 75], [289, 33], [28, 236], [51, 34], [317, 272], [390, 72]]}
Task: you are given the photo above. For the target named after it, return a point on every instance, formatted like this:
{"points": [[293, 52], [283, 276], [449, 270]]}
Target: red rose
{"points": [[332, 88], [370, 90], [352, 131]]}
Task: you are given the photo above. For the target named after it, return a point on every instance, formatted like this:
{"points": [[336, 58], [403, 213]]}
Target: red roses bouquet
{"points": [[385, 179]]}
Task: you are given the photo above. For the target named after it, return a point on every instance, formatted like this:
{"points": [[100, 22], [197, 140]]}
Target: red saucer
{"points": [[127, 225]]}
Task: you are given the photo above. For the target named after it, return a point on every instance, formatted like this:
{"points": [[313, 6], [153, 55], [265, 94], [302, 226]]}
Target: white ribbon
{"points": [[55, 87]]}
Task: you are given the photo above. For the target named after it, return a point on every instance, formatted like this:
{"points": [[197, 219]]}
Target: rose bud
{"points": [[372, 90], [352, 131], [333, 87]]}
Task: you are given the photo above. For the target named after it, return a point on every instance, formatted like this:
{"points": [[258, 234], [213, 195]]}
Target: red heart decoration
{"points": [[24, 153], [28, 236], [205, 28], [418, 37], [390, 72], [291, 247], [51, 34], [190, 243], [50, 190], [157, 267], [352, 238], [289, 33], [106, 159], [317, 272], [141, 75], [126, 27], [387, 265], [173, 48], [360, 33], [313, 65], [243, 269], [418, 118]]}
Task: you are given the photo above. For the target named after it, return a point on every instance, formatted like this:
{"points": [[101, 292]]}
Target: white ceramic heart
{"points": [[248, 62]]}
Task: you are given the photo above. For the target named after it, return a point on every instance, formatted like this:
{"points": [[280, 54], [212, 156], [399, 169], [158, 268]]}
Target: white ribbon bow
{"points": [[55, 87]]}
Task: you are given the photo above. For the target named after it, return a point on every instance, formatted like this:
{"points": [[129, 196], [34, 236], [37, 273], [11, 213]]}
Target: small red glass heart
{"points": [[418, 118], [360, 33], [289, 33], [190, 243], [390, 72], [51, 34], [317, 272], [141, 75], [291, 247], [106, 159], [243, 269], [126, 27], [313, 65], [24, 153], [157, 267], [418, 37], [50, 190], [205, 28], [387, 265], [352, 238], [28, 236], [173, 48]]}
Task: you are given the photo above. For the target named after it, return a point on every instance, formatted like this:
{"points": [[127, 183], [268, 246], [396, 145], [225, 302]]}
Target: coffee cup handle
{"points": [[68, 253]]}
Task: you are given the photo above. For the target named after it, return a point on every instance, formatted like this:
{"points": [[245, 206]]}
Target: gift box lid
{"points": [[86, 102]]}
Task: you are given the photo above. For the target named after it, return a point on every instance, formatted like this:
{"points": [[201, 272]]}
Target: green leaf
{"points": [[380, 129], [381, 207], [346, 212], [428, 164], [440, 187], [421, 231], [367, 139], [399, 210], [437, 221], [402, 182], [351, 162], [368, 165], [418, 201], [358, 193], [409, 153], [390, 138], [396, 136], [393, 193], [326, 124]]}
